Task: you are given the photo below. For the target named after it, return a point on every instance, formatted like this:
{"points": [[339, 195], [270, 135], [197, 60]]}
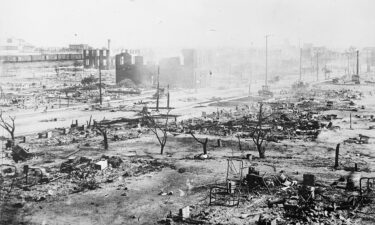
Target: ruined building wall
{"points": [[173, 71], [137, 71], [92, 58]]}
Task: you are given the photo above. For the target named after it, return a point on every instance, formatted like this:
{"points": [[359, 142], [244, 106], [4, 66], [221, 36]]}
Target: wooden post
{"points": [[337, 156], [350, 121]]}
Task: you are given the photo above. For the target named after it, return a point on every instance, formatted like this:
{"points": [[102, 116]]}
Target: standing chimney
{"points": [[109, 45]]}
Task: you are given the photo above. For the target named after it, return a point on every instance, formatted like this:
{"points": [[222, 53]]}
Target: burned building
{"points": [[172, 71], [137, 71], [92, 58]]}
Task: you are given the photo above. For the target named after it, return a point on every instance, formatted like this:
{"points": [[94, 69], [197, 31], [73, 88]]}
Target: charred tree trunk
{"points": [[104, 132], [203, 143], [162, 149], [205, 146], [262, 151]]}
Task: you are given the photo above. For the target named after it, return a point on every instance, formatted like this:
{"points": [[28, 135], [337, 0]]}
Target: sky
{"points": [[189, 23]]}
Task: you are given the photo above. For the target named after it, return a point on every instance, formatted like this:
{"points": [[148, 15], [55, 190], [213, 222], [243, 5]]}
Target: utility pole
{"points": [[317, 66], [157, 91], [300, 64], [267, 57], [168, 98], [100, 84], [312, 65], [251, 68], [357, 62]]}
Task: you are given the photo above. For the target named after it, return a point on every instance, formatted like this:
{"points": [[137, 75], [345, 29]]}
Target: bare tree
{"points": [[8, 126], [103, 130], [260, 133], [204, 143], [159, 129]]}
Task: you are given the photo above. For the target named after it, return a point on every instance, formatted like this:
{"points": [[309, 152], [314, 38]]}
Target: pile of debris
{"points": [[361, 139]]}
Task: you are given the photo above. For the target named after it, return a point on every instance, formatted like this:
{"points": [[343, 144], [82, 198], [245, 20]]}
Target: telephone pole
{"points": [[317, 66], [251, 68], [168, 96], [100, 84], [266, 57], [300, 64], [357, 62], [157, 92]]}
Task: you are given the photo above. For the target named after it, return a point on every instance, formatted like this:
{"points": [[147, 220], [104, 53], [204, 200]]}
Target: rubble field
{"points": [[210, 172]]}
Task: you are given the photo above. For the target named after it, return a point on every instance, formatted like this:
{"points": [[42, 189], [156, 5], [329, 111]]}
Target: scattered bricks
{"points": [[308, 179], [185, 212], [101, 165], [115, 161]]}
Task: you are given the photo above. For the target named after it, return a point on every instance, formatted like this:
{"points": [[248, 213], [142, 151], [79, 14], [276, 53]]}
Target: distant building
{"points": [[93, 58], [79, 47], [11, 46]]}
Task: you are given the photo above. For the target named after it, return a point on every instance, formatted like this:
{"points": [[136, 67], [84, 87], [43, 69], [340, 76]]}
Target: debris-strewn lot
{"points": [[302, 158]]}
